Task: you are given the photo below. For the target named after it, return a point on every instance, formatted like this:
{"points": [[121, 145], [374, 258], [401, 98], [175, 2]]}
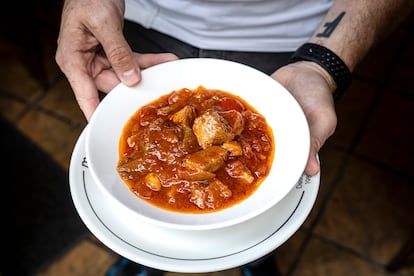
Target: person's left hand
{"points": [[312, 87]]}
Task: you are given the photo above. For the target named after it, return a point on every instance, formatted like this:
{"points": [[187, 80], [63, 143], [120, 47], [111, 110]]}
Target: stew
{"points": [[195, 151]]}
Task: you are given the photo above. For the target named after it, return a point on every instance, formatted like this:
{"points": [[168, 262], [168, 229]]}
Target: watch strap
{"points": [[332, 63]]}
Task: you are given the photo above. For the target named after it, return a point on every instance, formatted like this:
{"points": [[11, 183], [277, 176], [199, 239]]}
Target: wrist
{"points": [[334, 68], [309, 65]]}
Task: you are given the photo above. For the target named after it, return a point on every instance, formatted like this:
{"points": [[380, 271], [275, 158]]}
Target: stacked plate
{"points": [[177, 242]]}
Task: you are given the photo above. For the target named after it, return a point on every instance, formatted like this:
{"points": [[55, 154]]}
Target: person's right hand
{"points": [[93, 53]]}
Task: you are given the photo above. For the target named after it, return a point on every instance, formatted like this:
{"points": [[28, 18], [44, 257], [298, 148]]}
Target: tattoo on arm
{"points": [[331, 26]]}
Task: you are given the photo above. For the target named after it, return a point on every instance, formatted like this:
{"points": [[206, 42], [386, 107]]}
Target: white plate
{"points": [[185, 250], [273, 101]]}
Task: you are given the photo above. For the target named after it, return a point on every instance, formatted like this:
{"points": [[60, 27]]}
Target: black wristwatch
{"points": [[333, 64]]}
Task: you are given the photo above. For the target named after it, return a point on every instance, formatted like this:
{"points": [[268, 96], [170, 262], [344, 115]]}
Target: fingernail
{"points": [[130, 77]]}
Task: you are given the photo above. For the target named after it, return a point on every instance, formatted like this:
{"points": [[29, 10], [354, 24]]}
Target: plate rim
{"points": [[179, 265]]}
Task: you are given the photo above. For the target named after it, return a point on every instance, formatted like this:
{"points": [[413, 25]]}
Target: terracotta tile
{"points": [[365, 221], [10, 108], [407, 270], [53, 135], [84, 260], [376, 64], [49, 46], [61, 101], [230, 272], [14, 76], [43, 68], [285, 255], [331, 159], [351, 112], [401, 78], [408, 23], [326, 259], [370, 211], [389, 136], [36, 59]]}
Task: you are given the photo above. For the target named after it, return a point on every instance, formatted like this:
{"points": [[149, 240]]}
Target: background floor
{"points": [[364, 211]]}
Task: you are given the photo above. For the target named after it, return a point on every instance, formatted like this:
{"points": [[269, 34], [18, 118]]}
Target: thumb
{"points": [[312, 166], [120, 57]]}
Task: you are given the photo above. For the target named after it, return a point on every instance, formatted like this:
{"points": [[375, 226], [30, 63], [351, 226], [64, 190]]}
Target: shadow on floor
{"points": [[40, 222]]}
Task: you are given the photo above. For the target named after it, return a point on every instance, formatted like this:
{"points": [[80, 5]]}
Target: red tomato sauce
{"points": [[195, 151]]}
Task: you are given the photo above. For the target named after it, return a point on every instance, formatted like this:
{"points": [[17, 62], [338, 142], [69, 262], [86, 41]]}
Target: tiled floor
{"points": [[365, 209]]}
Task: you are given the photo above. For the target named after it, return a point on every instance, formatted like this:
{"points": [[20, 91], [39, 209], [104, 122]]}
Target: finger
{"points": [[321, 128], [148, 60], [121, 58], [74, 67], [107, 80], [103, 74], [85, 92], [312, 167]]}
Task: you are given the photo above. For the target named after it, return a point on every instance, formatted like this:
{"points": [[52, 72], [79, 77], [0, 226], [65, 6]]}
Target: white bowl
{"points": [[268, 97]]}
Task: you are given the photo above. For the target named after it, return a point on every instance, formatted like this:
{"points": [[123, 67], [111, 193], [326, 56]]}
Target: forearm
{"points": [[349, 30], [352, 27]]}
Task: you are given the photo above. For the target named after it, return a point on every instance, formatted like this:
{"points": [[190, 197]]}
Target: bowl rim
{"points": [[150, 79]]}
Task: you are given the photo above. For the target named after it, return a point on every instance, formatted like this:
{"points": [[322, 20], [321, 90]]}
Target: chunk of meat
{"points": [[152, 181], [207, 196], [196, 175], [237, 169], [235, 119], [216, 189], [213, 129], [210, 159], [131, 165], [198, 197], [184, 116], [234, 148], [189, 141]]}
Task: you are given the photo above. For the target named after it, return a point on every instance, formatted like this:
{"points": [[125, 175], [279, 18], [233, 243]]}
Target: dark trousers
{"points": [[144, 40]]}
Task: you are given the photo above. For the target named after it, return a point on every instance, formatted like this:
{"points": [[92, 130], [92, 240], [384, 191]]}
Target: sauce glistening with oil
{"points": [[195, 151]]}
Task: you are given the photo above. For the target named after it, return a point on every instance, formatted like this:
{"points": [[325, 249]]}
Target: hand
{"points": [[312, 87], [93, 53]]}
